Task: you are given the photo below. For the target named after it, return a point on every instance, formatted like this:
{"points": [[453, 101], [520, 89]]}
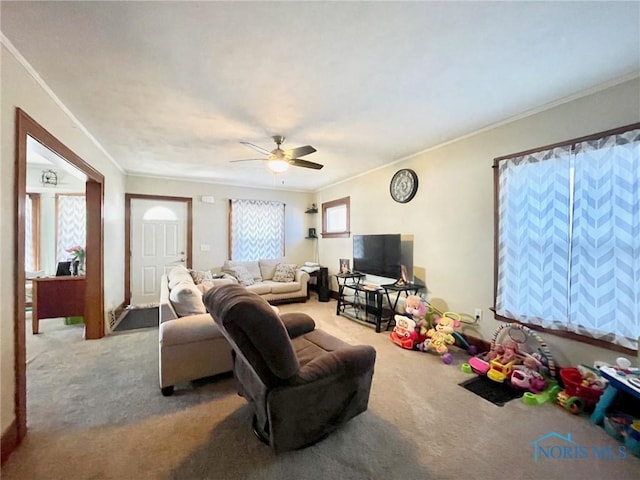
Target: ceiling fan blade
{"points": [[299, 152], [249, 160], [256, 148], [296, 162]]}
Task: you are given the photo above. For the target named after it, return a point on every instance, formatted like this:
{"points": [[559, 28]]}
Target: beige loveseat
{"points": [[190, 344], [275, 280]]}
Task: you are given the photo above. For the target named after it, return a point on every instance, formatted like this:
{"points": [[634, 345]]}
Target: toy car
{"points": [[406, 333], [499, 372], [528, 379], [479, 364]]}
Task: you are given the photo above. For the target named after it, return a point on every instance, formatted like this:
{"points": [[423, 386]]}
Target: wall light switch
{"points": [[207, 199], [205, 248]]}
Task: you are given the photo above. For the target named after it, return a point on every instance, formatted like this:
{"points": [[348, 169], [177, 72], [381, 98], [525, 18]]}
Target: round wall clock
{"points": [[404, 185]]}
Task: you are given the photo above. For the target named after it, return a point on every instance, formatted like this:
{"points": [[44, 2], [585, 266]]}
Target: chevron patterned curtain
{"points": [[569, 238], [533, 244], [256, 229], [71, 224], [605, 254]]}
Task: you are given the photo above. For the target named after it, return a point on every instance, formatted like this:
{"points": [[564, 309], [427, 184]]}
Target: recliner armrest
{"points": [[297, 323], [351, 361]]}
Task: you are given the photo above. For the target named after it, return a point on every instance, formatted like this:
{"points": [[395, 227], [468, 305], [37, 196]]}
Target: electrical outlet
{"points": [[478, 314]]}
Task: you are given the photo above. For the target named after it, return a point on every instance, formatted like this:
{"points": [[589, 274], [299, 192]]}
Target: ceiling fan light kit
{"points": [[279, 160], [278, 166]]}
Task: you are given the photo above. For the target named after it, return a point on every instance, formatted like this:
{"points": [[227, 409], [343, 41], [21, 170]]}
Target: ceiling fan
{"points": [[278, 160]]}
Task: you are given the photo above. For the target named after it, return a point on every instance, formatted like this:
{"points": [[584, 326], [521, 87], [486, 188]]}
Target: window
{"points": [[71, 224], [32, 232], [568, 237], [335, 218], [256, 229]]}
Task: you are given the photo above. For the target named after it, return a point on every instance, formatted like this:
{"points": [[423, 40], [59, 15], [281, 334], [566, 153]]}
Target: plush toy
{"points": [[439, 337], [416, 309], [410, 330]]}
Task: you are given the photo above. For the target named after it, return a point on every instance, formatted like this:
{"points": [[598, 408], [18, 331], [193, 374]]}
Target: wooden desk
{"points": [[55, 297]]}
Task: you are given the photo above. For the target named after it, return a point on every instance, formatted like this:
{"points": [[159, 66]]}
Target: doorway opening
{"points": [[27, 131]]}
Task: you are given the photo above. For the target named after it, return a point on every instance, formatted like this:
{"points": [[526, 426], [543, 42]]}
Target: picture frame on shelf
{"points": [[344, 265]]}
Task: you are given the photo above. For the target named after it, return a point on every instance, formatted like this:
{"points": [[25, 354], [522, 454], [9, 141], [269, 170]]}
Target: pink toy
{"points": [[527, 377]]}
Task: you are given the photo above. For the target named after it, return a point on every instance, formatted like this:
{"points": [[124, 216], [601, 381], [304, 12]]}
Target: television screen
{"points": [[378, 255]]}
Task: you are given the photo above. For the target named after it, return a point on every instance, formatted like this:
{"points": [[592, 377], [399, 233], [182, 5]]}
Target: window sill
{"points": [[335, 234], [572, 336]]}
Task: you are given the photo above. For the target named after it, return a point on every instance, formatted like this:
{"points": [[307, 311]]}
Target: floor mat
{"points": [[138, 318], [496, 393]]}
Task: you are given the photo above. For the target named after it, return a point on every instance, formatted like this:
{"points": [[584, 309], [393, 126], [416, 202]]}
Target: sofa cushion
{"points": [[268, 267], [242, 274], [191, 329], [186, 299], [178, 275], [283, 287], [252, 266], [285, 272], [261, 288]]}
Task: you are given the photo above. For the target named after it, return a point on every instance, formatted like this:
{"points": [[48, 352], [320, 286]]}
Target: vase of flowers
{"points": [[78, 255]]}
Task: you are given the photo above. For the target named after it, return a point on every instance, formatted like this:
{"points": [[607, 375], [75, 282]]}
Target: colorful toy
{"points": [[549, 393], [512, 344], [527, 377], [406, 333], [417, 309], [499, 372], [577, 395], [410, 329], [441, 336]]}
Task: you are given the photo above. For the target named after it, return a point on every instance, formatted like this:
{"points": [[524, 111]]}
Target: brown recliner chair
{"points": [[301, 382]]}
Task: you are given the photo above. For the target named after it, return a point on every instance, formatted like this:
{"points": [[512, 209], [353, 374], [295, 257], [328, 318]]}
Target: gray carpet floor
{"points": [[95, 412]]}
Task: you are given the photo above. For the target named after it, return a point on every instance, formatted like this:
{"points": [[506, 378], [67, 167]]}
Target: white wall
{"points": [[451, 216], [210, 220], [19, 89]]}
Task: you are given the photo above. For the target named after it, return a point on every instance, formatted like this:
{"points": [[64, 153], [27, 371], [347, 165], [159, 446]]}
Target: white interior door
{"points": [[158, 243]]}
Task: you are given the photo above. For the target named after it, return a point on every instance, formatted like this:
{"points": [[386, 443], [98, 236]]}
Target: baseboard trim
{"points": [[9, 442], [480, 344]]}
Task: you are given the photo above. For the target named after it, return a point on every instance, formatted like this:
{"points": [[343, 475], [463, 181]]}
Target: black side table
{"points": [[407, 288], [347, 279]]}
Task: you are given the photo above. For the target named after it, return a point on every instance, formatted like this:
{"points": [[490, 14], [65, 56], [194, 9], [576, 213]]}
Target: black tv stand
{"points": [[359, 301]]}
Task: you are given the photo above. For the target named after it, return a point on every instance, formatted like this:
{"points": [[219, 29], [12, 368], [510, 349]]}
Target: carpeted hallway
{"points": [[95, 412]]}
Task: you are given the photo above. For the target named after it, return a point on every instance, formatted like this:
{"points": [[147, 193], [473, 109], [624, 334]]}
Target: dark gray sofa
{"points": [[301, 382]]}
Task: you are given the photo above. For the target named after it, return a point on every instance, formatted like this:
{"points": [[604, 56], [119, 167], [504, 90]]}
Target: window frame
{"points": [[496, 189], [35, 230], [346, 202]]}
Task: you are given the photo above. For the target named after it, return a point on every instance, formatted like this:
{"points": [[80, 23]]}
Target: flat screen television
{"points": [[378, 255]]}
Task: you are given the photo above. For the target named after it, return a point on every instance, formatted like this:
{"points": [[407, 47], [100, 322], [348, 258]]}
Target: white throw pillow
{"points": [[242, 274], [178, 275], [285, 272], [186, 299]]}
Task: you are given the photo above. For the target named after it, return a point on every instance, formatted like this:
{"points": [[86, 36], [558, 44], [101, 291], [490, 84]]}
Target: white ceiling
{"points": [[171, 88]]}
